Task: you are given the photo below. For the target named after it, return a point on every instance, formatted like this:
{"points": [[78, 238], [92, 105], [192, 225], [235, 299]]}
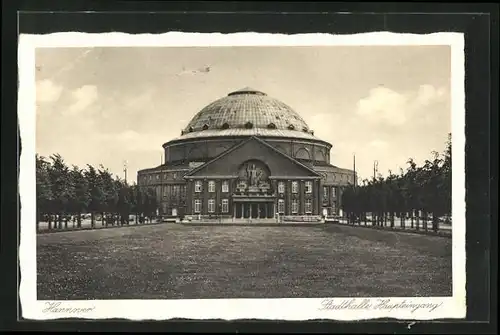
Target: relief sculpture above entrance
{"points": [[253, 177]]}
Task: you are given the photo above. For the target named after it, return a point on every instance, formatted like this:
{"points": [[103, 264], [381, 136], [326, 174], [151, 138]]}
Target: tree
{"points": [[96, 192], [138, 203], [125, 202], [151, 203], [62, 188], [81, 200], [422, 189], [110, 193], [44, 197]]}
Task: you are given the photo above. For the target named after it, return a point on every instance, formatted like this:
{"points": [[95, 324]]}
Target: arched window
{"points": [[225, 126], [249, 125], [205, 127], [291, 127], [271, 126]]}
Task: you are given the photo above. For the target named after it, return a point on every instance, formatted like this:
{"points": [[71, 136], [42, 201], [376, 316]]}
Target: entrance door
{"points": [[255, 211], [239, 210]]}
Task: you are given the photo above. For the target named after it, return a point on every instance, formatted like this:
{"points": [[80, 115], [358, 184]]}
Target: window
{"points": [[175, 190], [197, 206], [295, 206], [174, 175], [281, 206], [308, 206], [309, 186], [295, 187], [211, 205], [325, 192], [281, 187], [157, 177], [334, 191], [211, 186], [225, 205], [165, 175], [197, 186], [225, 186]]}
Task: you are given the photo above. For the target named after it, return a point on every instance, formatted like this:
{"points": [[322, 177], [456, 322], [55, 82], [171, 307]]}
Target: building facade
{"points": [[247, 156]]}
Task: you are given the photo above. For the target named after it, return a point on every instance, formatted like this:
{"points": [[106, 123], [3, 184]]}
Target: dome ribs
{"points": [[247, 109]]}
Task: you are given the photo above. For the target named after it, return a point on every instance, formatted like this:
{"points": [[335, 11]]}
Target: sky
{"points": [[108, 105]]}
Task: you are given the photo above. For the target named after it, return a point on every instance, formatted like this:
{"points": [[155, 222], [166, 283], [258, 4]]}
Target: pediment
{"points": [[274, 163]]}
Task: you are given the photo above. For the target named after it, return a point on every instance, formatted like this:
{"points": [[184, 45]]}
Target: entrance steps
{"points": [[248, 222], [234, 221]]}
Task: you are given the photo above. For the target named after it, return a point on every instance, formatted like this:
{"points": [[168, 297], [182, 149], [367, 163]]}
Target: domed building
{"points": [[247, 156]]}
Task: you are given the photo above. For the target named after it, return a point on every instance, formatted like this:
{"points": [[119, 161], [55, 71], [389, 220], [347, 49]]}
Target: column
{"points": [[234, 210], [242, 210], [265, 210], [250, 210]]}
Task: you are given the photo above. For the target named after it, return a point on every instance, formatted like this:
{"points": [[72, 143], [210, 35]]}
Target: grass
{"points": [[172, 261]]}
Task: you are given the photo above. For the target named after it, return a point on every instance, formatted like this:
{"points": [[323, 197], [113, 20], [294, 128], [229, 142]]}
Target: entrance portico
{"points": [[253, 207]]}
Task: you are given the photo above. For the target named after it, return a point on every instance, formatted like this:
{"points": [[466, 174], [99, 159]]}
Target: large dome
{"points": [[247, 109]]}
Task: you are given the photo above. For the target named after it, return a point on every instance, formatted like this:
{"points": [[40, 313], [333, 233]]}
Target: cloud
{"points": [[132, 140], [428, 94], [48, 91], [83, 98], [384, 105], [378, 144]]}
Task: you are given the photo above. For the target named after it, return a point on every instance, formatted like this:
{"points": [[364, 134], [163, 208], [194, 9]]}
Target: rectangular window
{"points": [[211, 205], [197, 206], [211, 186], [225, 186], [309, 186], [197, 186], [225, 205], [281, 187], [281, 206], [334, 191], [325, 192], [308, 206], [295, 206], [295, 187]]}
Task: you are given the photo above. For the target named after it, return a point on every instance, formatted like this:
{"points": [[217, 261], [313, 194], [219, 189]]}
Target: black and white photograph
{"points": [[237, 176]]}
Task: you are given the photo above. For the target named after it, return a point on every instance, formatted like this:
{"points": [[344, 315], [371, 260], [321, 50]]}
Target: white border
{"points": [[230, 309]]}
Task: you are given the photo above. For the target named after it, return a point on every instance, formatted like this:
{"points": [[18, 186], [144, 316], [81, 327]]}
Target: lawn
{"points": [[172, 261]]}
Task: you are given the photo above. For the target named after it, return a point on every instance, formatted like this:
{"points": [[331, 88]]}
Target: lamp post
{"points": [[375, 169]]}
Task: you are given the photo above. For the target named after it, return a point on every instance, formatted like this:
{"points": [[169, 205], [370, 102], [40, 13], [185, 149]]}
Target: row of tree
{"points": [[418, 189], [64, 192]]}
